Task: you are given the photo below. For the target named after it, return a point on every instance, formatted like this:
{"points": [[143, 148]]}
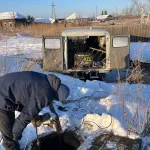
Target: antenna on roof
{"points": [[53, 11]]}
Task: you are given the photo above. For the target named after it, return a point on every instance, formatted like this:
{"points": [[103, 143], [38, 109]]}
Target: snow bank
{"points": [[21, 45], [140, 51]]}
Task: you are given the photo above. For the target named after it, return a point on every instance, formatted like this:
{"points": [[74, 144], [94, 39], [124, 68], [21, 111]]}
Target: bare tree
{"points": [[127, 11], [134, 8]]}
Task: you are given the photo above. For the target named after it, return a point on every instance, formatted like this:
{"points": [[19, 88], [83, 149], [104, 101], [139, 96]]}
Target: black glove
{"points": [[9, 106], [16, 137], [40, 119]]}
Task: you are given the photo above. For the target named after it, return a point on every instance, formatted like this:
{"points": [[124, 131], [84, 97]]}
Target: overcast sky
{"points": [[63, 8]]}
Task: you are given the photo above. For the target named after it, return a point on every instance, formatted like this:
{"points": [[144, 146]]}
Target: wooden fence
{"points": [[136, 32], [139, 32]]}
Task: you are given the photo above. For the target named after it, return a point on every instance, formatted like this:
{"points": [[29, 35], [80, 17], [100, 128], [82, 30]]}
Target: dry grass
{"points": [[139, 122], [38, 30], [56, 29]]}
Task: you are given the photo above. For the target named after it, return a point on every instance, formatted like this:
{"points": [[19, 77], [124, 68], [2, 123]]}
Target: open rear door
{"points": [[52, 54], [119, 52]]}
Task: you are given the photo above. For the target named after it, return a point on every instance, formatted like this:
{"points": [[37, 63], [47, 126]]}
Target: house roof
{"points": [[44, 20], [11, 15], [101, 17], [75, 16], [84, 32]]}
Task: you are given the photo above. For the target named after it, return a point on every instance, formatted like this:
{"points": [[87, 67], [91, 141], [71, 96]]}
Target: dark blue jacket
{"points": [[30, 91]]}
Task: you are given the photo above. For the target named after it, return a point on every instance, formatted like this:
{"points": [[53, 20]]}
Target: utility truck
{"points": [[86, 53]]}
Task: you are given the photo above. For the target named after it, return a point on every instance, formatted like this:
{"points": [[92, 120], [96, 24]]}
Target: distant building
{"points": [[104, 17], [44, 20], [11, 19], [76, 17]]}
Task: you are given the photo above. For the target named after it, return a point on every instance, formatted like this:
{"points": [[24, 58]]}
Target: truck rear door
{"points": [[119, 52], [52, 54]]}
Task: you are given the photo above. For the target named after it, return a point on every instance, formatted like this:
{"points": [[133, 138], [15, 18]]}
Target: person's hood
{"points": [[61, 91], [54, 82]]}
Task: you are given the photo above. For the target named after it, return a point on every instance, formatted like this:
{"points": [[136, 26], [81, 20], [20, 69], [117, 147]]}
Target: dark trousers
{"points": [[7, 119]]}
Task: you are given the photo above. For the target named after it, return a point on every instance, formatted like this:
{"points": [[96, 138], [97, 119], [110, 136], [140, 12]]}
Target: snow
{"points": [[140, 51], [31, 48], [11, 15], [21, 45], [94, 106], [76, 16]]}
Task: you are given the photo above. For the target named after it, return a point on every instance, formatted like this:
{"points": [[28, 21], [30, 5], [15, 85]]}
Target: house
{"points": [[11, 19], [104, 17], [76, 17], [44, 20]]}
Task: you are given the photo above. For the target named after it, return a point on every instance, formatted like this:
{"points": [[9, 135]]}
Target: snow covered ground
{"points": [[140, 51], [102, 105], [31, 48]]}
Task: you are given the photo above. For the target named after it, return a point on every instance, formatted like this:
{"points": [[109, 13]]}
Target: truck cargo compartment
{"points": [[86, 52]]}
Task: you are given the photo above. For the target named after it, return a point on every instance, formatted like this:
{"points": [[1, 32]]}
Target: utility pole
{"points": [[53, 10], [96, 12], [116, 11], [93, 16]]}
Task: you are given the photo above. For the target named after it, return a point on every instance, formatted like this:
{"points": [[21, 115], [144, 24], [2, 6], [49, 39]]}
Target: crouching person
{"points": [[27, 92]]}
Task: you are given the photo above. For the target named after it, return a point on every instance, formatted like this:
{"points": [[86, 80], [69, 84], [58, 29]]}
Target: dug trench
{"points": [[70, 141], [54, 141]]}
